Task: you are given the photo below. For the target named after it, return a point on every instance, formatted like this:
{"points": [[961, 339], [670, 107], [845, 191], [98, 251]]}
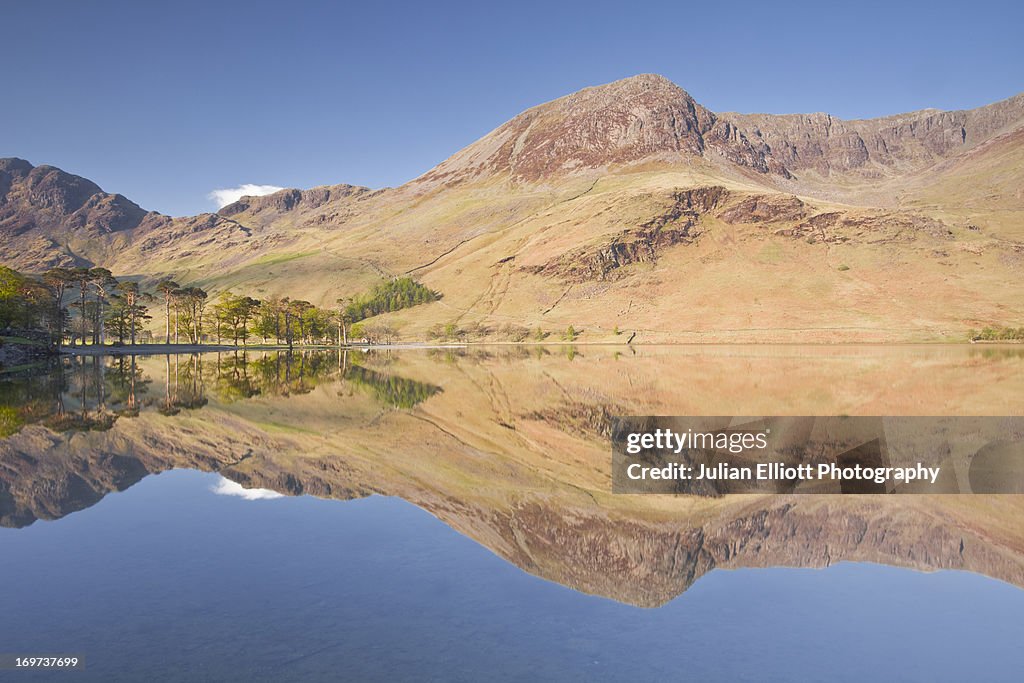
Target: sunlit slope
{"points": [[984, 187], [671, 255]]}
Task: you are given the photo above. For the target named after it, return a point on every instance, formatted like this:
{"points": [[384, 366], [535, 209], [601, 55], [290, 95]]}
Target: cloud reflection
{"points": [[226, 487]]}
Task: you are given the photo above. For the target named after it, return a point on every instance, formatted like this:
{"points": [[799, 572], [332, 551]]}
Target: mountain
{"points": [[626, 206], [43, 210], [52, 218], [642, 118]]}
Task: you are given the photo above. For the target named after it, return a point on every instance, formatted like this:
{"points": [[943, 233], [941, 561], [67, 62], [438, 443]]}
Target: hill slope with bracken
{"points": [[626, 206]]}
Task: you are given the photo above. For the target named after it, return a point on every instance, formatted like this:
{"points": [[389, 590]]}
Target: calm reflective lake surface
{"points": [[445, 514]]}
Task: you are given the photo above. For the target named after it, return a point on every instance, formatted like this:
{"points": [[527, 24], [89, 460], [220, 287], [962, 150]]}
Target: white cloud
{"points": [[226, 487], [233, 194]]}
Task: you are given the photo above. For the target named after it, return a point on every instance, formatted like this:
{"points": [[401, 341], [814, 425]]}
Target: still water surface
{"points": [[169, 581], [445, 516]]}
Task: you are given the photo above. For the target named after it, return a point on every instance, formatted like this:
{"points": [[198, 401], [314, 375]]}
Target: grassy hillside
{"points": [[500, 257]]}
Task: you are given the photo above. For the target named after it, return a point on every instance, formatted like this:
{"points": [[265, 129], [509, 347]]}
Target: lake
{"points": [[446, 514]]}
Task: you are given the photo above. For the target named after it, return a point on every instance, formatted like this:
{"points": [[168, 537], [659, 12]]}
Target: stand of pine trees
{"points": [[79, 306]]}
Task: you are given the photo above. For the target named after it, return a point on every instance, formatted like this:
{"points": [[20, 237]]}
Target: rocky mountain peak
{"points": [[39, 204], [60, 194], [633, 119], [15, 167]]}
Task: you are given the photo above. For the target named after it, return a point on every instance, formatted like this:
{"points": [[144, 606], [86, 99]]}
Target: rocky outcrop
{"points": [[603, 261], [869, 228], [648, 563], [44, 476], [765, 209], [183, 235], [21, 347], [648, 118], [37, 198], [595, 420], [292, 199], [676, 224]]}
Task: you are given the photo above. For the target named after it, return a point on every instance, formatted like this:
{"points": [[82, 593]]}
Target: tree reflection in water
{"points": [[90, 393]]}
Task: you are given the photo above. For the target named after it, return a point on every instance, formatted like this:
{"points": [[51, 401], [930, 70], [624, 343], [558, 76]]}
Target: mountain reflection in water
{"points": [[508, 445]]}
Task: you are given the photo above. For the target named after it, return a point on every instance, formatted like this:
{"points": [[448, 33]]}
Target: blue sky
{"points": [[166, 102]]}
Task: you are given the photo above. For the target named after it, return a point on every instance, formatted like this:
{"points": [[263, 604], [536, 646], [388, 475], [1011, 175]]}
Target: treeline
{"points": [[238, 318], [100, 303], [997, 334], [102, 308]]}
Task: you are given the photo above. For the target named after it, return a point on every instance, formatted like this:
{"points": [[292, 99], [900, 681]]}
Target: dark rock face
{"points": [[71, 491], [44, 196], [647, 117], [737, 147], [42, 477], [47, 187], [649, 563], [602, 262], [825, 144]]}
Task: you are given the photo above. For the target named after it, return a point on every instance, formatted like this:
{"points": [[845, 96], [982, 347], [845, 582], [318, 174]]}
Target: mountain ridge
{"points": [[883, 139], [742, 138], [615, 208]]}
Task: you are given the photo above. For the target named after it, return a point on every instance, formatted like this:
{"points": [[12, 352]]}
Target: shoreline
{"points": [[178, 349]]}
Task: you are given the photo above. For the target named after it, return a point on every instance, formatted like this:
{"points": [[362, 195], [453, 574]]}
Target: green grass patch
{"points": [[274, 259], [272, 427]]}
